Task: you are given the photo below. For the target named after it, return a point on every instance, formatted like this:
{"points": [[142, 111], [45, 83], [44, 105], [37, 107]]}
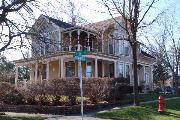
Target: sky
{"points": [[90, 10]]}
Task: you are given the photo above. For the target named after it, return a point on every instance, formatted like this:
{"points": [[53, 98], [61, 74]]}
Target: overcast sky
{"points": [[91, 11]]}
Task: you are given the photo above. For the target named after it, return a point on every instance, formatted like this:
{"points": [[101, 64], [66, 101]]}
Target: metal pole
{"points": [[81, 89]]}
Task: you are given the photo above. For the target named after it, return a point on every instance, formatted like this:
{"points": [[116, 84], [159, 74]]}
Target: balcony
{"points": [[77, 39]]}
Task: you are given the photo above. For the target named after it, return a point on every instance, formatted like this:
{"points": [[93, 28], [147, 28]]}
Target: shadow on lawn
{"points": [[169, 104], [166, 113], [174, 115]]}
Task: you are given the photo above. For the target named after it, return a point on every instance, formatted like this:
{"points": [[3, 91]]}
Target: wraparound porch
{"points": [[65, 66]]}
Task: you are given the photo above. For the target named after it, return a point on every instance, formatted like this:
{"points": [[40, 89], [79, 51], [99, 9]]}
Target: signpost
{"points": [[78, 56]]}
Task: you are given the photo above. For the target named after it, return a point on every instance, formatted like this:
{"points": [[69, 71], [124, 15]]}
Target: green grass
{"points": [[20, 118], [145, 112], [148, 97]]}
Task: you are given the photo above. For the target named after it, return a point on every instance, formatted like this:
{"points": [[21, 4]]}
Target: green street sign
{"points": [[78, 55], [83, 52], [80, 58]]}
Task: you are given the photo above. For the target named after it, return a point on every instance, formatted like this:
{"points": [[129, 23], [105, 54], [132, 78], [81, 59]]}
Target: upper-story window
{"points": [[126, 50], [45, 45], [111, 47], [147, 78]]}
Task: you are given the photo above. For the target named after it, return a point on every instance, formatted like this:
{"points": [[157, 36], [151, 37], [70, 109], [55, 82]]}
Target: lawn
{"points": [[19, 118], [145, 112], [147, 97]]}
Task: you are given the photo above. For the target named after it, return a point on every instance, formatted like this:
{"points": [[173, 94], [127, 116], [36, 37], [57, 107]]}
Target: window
{"points": [[127, 71], [44, 72], [47, 46], [116, 47], [89, 70], [111, 49], [121, 46], [70, 69], [121, 69], [126, 50], [147, 78]]}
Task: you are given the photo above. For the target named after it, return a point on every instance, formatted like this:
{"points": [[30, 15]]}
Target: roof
{"points": [[97, 26], [102, 25], [60, 23], [146, 54]]}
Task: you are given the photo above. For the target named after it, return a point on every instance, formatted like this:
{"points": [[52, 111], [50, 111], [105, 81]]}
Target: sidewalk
{"points": [[78, 117]]}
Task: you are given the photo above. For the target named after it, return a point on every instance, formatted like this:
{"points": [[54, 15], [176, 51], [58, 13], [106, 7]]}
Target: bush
{"points": [[37, 93], [66, 91], [120, 87], [97, 89], [10, 95]]}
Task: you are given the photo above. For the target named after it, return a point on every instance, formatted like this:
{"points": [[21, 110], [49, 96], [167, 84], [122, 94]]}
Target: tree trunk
{"points": [[176, 77], [136, 100], [175, 82]]}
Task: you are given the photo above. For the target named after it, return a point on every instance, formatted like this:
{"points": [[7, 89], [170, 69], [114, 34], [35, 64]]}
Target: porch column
{"points": [[36, 72], [31, 73], [96, 67], [70, 46], [88, 47], [25, 82], [47, 71], [62, 67], [102, 68], [59, 72], [152, 77], [115, 69], [79, 46], [144, 78], [16, 78]]}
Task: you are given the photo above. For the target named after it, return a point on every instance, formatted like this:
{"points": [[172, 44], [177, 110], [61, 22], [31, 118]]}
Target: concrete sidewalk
{"points": [[75, 118]]}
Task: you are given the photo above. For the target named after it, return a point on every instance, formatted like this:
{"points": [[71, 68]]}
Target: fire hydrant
{"points": [[161, 104]]}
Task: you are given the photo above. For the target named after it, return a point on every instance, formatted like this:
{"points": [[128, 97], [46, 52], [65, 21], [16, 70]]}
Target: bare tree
{"points": [[11, 30], [132, 17], [169, 43]]}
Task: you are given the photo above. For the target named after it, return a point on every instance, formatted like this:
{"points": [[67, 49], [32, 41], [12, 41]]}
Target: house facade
{"points": [[107, 56]]}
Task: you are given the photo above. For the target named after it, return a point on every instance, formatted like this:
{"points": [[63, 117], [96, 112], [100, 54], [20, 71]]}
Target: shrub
{"points": [[65, 87], [36, 93], [120, 87], [97, 89], [66, 91], [10, 95]]}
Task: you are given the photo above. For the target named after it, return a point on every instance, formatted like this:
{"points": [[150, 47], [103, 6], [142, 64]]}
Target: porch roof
{"points": [[56, 56]]}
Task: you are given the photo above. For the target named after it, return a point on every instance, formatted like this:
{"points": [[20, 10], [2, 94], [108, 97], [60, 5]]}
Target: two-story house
{"points": [[52, 53]]}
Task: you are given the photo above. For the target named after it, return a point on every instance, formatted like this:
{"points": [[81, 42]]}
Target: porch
{"points": [[64, 66]]}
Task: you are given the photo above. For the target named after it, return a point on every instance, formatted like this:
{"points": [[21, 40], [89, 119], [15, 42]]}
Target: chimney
{"points": [[73, 22]]}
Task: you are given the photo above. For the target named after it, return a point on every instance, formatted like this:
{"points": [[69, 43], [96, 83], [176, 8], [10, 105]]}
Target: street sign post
{"points": [[79, 56]]}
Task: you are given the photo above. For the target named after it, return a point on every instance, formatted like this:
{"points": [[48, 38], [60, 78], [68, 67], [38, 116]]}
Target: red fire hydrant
{"points": [[161, 105]]}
